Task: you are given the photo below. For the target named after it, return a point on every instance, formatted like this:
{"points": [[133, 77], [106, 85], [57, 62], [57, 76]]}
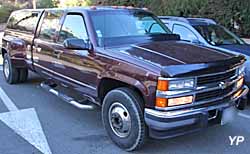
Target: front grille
{"points": [[214, 93], [215, 78]]}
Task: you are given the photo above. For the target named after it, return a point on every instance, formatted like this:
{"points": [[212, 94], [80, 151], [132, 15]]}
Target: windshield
{"points": [[217, 35], [126, 23]]}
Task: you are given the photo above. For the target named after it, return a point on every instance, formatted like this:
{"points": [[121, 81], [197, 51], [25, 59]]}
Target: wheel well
{"points": [[107, 85]]}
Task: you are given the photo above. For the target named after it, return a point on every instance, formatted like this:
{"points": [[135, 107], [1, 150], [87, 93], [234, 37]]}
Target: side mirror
{"points": [[77, 44]]}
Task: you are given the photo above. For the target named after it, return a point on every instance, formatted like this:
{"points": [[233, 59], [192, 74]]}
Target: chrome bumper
{"points": [[165, 124]]}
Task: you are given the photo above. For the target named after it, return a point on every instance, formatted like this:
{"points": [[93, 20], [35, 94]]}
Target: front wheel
{"points": [[122, 114]]}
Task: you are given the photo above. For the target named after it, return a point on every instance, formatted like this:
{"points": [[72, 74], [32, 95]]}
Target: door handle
{"points": [[36, 48], [56, 63], [29, 47], [57, 52]]}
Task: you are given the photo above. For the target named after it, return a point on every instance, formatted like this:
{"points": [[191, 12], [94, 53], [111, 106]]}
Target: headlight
{"points": [[165, 85], [181, 84]]}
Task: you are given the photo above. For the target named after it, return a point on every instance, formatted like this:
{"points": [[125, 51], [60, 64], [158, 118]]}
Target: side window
{"points": [[23, 21], [50, 24], [73, 27], [184, 33]]}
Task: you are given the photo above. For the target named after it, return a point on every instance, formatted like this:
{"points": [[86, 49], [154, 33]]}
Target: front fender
{"points": [[146, 87], [127, 80]]}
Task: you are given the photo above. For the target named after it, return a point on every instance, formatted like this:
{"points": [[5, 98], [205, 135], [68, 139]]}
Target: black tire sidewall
{"points": [[23, 75], [130, 102], [13, 73]]}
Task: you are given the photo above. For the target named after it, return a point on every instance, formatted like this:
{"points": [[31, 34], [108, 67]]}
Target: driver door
{"points": [[75, 67]]}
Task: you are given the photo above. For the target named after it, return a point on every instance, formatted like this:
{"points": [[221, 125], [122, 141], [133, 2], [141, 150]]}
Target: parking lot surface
{"points": [[33, 121]]}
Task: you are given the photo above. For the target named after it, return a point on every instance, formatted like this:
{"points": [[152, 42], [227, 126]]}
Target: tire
{"points": [[11, 74], [248, 98], [124, 103], [23, 75]]}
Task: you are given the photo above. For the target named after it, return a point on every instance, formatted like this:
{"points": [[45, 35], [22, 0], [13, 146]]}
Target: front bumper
{"points": [[167, 124]]}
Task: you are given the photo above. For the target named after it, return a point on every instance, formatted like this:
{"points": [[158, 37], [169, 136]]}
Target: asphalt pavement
{"points": [[68, 130]]}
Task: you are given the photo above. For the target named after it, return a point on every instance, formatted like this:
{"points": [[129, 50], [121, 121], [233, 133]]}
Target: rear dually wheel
{"points": [[11, 74]]}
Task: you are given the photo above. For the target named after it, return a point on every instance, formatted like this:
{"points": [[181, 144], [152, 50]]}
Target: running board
{"points": [[85, 105]]}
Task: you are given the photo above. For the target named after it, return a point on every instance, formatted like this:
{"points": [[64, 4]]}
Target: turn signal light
{"points": [[93, 7], [162, 85], [115, 7], [130, 7], [180, 101], [237, 94], [164, 102], [161, 102]]}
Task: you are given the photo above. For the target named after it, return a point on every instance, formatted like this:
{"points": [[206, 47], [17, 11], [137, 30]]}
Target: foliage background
{"points": [[223, 11]]}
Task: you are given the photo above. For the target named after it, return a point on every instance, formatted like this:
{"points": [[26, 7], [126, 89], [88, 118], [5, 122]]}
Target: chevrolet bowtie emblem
{"points": [[222, 85]]}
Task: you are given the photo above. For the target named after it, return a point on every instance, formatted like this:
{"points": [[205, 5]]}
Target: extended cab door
{"points": [[20, 30], [44, 43], [76, 67]]}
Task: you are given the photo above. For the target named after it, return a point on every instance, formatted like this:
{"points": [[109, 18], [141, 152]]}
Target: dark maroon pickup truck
{"points": [[147, 81]]}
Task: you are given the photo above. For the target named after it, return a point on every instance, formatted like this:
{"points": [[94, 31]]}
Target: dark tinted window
{"points": [[217, 35], [23, 21], [50, 25], [73, 27]]}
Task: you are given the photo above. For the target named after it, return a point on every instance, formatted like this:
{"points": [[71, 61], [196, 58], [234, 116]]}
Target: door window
{"points": [[73, 27], [50, 25], [185, 33]]}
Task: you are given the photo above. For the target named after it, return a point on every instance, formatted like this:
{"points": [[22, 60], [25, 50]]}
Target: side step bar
{"points": [[85, 105]]}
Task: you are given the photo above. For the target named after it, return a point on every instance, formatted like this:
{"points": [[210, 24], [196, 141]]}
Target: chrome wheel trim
{"points": [[119, 120], [6, 68]]}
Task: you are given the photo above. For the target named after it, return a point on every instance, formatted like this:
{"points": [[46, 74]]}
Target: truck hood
{"points": [[188, 70], [243, 49], [165, 53]]}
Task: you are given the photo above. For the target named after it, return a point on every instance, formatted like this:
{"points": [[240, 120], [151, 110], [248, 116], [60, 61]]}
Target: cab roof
{"points": [[191, 21], [91, 8]]}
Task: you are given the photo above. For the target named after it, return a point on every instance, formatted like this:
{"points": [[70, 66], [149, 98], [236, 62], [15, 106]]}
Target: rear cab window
{"points": [[24, 21]]}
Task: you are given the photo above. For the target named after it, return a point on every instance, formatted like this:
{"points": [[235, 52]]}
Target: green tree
{"points": [[223, 11], [47, 3], [68, 3]]}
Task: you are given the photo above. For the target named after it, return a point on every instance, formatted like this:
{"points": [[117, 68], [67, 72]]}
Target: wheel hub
{"points": [[119, 120], [6, 68]]}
